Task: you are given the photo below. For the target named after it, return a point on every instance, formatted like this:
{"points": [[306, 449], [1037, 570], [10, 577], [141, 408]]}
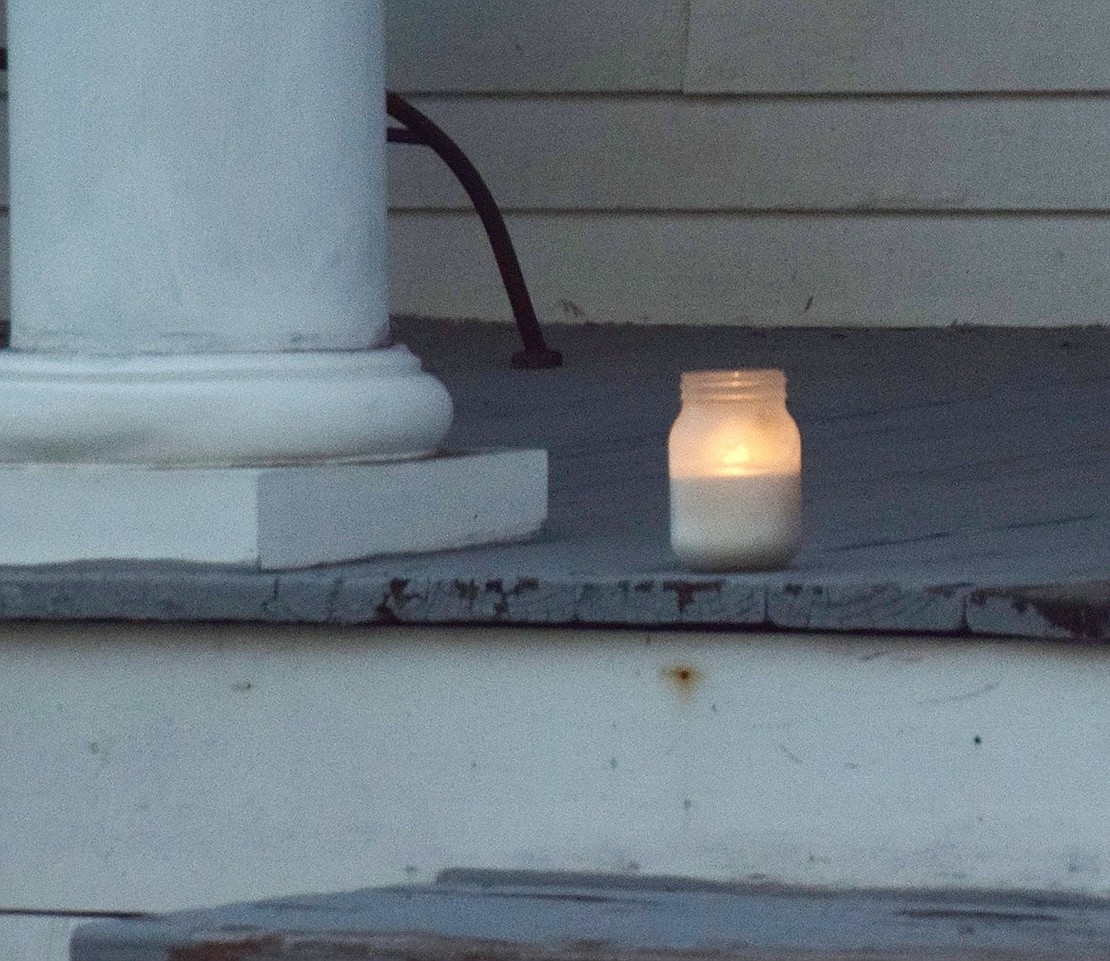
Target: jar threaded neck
{"points": [[722, 385]]}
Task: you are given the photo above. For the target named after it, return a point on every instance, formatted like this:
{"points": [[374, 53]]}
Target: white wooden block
{"points": [[897, 45], [788, 270], [572, 45], [42, 937], [672, 153], [278, 517]]}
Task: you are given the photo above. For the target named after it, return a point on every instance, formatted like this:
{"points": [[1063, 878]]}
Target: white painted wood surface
{"points": [[170, 767], [29, 937], [897, 45], [220, 188], [569, 45], [724, 46], [796, 269], [677, 153]]}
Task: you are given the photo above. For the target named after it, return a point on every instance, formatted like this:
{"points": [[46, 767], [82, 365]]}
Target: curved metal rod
{"points": [[418, 129]]}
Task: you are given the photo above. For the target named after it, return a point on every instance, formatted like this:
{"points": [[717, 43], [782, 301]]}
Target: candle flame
{"points": [[738, 456]]}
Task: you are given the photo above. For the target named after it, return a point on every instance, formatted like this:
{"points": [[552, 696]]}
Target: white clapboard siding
{"points": [[877, 270], [581, 45], [682, 153], [898, 45]]}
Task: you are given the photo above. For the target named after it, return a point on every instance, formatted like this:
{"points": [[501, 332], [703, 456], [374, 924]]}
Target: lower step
{"points": [[521, 916]]}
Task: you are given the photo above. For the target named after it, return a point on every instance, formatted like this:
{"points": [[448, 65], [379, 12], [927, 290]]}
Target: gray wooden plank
{"points": [[574, 45], [882, 46], [789, 270], [937, 609], [570, 918], [606, 600], [672, 153]]}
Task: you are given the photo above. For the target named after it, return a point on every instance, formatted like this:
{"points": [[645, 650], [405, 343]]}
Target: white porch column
{"points": [[197, 177], [198, 269]]}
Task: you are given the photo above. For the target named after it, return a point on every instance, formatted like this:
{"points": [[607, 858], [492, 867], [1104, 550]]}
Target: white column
{"points": [[195, 177], [201, 361], [198, 238]]}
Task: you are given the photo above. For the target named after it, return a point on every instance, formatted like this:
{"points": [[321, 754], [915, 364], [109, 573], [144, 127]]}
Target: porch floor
{"points": [[957, 481]]}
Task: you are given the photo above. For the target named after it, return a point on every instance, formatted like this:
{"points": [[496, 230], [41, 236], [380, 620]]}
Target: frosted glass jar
{"points": [[735, 458]]}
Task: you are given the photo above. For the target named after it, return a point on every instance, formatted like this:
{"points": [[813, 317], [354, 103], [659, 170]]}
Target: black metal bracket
{"points": [[419, 130]]}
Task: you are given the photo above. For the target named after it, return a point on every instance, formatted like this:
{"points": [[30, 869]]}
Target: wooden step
{"points": [[524, 916]]}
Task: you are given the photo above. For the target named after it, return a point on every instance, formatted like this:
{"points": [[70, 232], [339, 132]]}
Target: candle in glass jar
{"points": [[735, 459]]}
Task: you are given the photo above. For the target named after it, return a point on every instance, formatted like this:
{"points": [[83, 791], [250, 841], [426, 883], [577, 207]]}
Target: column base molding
{"points": [[218, 409], [269, 517]]}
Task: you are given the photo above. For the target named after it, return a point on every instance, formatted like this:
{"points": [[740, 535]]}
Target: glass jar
{"points": [[735, 458]]}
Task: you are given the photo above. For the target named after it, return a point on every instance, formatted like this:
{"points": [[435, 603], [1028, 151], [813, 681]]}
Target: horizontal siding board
{"points": [[887, 271], [681, 153], [764, 270], [505, 45], [897, 45]]}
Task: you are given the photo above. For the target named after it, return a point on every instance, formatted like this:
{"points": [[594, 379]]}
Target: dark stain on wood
{"points": [[1082, 611], [686, 592], [396, 599], [238, 949], [1083, 622], [419, 946]]}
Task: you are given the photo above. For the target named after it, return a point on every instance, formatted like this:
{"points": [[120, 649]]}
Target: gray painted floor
{"points": [[956, 482], [513, 916]]}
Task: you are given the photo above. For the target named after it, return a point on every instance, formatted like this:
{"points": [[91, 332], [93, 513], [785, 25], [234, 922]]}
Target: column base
{"points": [[219, 409], [269, 517]]}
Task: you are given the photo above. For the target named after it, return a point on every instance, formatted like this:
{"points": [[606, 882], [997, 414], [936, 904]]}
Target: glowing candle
{"points": [[735, 458]]}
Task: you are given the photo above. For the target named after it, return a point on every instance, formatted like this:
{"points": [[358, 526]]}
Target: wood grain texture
{"points": [[882, 46], [571, 45], [789, 270], [674, 153]]}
